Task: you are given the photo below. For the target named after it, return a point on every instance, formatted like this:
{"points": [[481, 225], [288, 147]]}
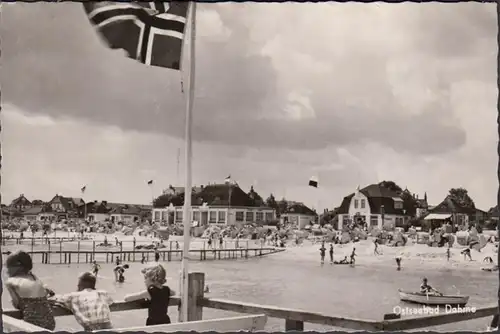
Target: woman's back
{"points": [[28, 286], [158, 305], [32, 300]]}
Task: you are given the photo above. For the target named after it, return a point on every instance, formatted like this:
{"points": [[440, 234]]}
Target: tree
{"points": [[163, 200], [461, 196], [282, 206], [271, 202], [391, 185]]}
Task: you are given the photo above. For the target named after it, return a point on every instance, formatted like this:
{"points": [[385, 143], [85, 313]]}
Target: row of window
{"points": [[250, 216], [374, 220], [241, 216]]}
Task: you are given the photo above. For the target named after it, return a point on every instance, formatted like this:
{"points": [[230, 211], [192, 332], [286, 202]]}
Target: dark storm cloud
{"points": [[54, 63]]}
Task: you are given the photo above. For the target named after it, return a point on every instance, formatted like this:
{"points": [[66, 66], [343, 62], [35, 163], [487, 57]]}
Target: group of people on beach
{"points": [[91, 307], [322, 252]]}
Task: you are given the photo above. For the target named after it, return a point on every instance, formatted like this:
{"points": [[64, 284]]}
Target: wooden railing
{"points": [[294, 319]]}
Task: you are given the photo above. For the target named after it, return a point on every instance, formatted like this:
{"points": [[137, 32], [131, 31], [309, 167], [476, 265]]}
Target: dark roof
{"points": [[126, 210], [218, 195], [21, 200], [377, 196], [38, 209], [299, 208], [33, 211], [449, 205], [117, 208]]}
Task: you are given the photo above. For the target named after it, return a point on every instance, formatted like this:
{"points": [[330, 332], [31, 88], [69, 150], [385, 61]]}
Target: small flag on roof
{"points": [[83, 189], [228, 179], [313, 182], [150, 182]]}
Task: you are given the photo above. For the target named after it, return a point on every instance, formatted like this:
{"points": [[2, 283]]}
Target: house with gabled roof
{"points": [[66, 206], [297, 213], [372, 206], [217, 204], [100, 211], [20, 204], [450, 210]]}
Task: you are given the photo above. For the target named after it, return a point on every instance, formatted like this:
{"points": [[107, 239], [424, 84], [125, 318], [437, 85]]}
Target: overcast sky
{"points": [[351, 93]]}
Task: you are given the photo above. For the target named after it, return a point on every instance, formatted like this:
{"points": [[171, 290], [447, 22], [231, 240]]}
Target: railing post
{"points": [[293, 325], [196, 286]]}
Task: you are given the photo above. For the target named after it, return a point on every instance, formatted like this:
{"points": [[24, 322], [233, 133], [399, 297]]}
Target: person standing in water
{"points": [[322, 253], [398, 262], [448, 254], [353, 256], [466, 253], [331, 253], [95, 268], [375, 251]]}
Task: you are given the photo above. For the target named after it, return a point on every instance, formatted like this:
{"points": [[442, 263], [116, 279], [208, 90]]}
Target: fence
{"points": [[294, 319]]}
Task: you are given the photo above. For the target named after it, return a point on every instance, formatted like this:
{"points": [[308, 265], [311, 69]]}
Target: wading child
{"points": [[95, 268], [157, 294], [119, 272], [89, 306], [466, 254], [28, 293]]}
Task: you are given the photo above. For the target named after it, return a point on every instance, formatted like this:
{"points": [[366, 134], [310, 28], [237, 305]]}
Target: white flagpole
{"points": [[188, 156]]}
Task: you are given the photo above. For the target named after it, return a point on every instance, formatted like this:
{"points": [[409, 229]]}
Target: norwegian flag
{"points": [[149, 32]]}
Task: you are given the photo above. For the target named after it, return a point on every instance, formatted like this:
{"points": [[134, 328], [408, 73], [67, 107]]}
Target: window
{"points": [[259, 216], [345, 220], [373, 220], [249, 216], [196, 215], [398, 205], [239, 216], [178, 217], [269, 216], [356, 203], [222, 216], [362, 204], [212, 217], [157, 215], [163, 215]]}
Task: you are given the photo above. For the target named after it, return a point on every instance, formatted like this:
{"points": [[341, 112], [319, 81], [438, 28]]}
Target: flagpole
{"points": [[152, 198], [188, 158]]}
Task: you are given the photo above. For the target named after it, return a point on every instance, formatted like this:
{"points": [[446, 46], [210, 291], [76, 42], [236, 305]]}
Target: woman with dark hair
{"points": [[28, 293]]}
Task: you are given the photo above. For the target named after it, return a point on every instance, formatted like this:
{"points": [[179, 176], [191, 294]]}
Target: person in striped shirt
{"points": [[89, 306]]}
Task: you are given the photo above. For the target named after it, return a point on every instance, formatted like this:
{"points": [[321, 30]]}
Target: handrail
{"points": [[306, 316], [291, 314]]}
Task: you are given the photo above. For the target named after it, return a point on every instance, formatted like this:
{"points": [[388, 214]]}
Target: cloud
{"points": [[43, 156], [352, 93], [265, 73]]}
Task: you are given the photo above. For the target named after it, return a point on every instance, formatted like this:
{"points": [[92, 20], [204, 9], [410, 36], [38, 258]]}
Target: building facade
{"points": [[372, 206], [298, 214], [224, 204]]}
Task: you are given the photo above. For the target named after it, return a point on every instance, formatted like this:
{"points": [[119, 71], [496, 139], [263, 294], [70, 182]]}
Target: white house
{"points": [[217, 204], [373, 205]]}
